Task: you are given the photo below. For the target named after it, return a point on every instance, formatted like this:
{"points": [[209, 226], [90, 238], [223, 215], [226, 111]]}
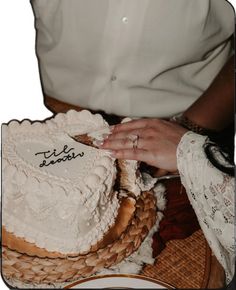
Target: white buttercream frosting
{"points": [[58, 193]]}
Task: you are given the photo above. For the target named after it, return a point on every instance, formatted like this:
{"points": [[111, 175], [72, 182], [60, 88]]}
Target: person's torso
{"points": [[131, 57]]}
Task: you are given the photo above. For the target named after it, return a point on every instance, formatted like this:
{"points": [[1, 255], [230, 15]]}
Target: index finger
{"points": [[131, 125]]}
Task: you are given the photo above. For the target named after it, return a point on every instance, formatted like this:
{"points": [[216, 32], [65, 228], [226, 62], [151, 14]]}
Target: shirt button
{"points": [[125, 19], [113, 78]]}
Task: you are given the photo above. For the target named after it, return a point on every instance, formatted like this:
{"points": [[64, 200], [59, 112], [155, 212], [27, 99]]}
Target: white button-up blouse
{"points": [[138, 58]]}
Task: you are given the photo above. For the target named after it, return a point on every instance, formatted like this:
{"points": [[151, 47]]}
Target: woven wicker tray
{"points": [[45, 270], [184, 263]]}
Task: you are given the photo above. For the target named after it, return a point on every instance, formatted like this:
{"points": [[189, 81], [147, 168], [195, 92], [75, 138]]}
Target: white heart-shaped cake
{"points": [[58, 194]]}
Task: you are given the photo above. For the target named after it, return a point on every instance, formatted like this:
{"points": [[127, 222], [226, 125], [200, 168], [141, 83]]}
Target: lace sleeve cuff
{"points": [[211, 193]]}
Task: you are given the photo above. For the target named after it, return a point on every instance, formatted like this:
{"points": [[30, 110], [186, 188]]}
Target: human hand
{"points": [[153, 141]]}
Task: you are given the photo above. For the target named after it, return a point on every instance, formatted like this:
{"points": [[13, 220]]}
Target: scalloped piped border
{"points": [[55, 123]]}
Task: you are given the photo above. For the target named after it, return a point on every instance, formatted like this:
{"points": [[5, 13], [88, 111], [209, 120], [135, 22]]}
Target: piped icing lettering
{"points": [[64, 155]]}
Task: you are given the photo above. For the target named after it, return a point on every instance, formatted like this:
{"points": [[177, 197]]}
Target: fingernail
{"points": [[109, 152], [98, 143], [112, 128], [105, 136]]}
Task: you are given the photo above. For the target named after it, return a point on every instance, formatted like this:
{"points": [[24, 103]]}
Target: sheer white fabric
{"points": [[211, 193]]}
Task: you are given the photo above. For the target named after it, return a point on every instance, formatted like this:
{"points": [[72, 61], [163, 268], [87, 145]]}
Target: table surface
{"points": [[188, 263]]}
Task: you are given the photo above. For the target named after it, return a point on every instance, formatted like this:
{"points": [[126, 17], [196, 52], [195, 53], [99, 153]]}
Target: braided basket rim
{"points": [[27, 268]]}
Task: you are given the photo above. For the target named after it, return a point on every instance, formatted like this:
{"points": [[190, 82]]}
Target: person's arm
{"points": [[214, 110], [168, 146], [211, 193]]}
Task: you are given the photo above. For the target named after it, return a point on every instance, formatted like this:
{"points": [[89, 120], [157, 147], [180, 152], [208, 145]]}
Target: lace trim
{"points": [[211, 193]]}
